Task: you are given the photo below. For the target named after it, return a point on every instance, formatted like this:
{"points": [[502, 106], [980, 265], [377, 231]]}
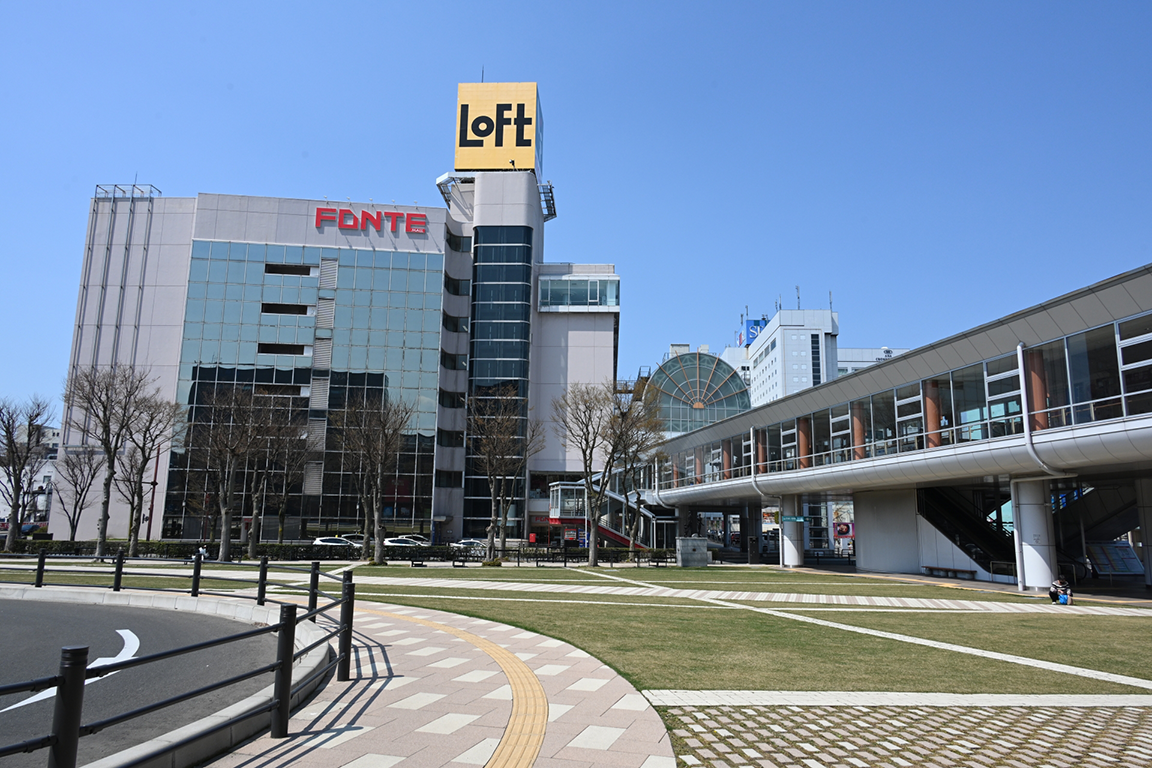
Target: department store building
{"points": [[313, 304]]}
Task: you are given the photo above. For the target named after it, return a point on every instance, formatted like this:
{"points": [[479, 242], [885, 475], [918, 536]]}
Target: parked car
{"points": [[400, 543], [356, 538], [333, 541], [468, 544], [420, 540]]}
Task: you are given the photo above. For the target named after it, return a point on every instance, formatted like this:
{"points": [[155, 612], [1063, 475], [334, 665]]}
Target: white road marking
{"points": [[131, 645]]}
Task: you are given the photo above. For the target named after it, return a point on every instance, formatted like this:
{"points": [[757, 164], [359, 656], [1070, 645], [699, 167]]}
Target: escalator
{"points": [[966, 526], [1106, 512]]}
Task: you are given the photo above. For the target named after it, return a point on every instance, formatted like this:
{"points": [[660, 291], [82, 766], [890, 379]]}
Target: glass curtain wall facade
{"points": [[498, 366], [1099, 374], [310, 329]]}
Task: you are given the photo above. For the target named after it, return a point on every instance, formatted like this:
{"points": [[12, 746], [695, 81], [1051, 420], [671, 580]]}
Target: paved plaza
{"points": [[435, 688]]}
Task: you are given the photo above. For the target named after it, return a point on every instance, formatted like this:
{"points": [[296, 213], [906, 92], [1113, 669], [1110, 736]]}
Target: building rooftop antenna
{"points": [[797, 297]]}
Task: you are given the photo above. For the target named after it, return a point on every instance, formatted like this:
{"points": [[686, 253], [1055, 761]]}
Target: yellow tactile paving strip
{"points": [[524, 735]]}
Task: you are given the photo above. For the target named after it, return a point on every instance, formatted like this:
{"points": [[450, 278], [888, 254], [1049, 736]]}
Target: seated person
{"points": [[1058, 588]]}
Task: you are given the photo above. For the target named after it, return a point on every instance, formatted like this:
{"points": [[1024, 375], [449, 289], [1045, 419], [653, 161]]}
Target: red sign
{"points": [[346, 218]]}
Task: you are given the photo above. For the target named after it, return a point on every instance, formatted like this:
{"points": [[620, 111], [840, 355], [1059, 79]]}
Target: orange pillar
{"points": [[804, 441], [761, 451], [675, 474], [1037, 388], [858, 450], [699, 465], [726, 458], [932, 413]]}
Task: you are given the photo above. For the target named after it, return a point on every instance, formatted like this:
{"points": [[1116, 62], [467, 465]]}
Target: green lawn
{"points": [[664, 647]]}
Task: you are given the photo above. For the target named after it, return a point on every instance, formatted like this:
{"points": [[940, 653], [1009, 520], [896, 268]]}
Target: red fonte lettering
{"points": [[376, 219], [417, 224], [343, 222], [393, 217], [323, 215]]}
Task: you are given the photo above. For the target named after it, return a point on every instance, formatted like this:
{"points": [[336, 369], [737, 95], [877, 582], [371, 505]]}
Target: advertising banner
{"points": [[844, 530], [752, 329], [499, 127]]}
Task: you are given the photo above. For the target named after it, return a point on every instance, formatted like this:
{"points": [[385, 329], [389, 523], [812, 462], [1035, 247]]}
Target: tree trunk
{"points": [[493, 522], [226, 500], [378, 521], [592, 511], [635, 526], [257, 518], [102, 524], [15, 519]]}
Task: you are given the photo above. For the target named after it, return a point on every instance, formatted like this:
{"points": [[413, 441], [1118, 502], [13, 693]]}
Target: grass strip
{"points": [[656, 647]]}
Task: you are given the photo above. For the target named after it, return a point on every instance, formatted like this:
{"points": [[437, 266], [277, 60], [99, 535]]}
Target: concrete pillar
{"points": [[675, 473], [804, 441], [1037, 383], [1035, 540], [1144, 512], [750, 525], [858, 449], [726, 459], [761, 451], [791, 534], [932, 413], [699, 467]]}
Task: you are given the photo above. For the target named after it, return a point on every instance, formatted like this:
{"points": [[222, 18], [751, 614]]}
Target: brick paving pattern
{"points": [[896, 737]]}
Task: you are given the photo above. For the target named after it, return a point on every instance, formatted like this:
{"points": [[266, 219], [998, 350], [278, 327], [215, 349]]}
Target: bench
{"points": [[949, 573]]}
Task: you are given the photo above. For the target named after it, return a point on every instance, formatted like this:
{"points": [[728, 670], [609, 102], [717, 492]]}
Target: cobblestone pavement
{"points": [[895, 737]]}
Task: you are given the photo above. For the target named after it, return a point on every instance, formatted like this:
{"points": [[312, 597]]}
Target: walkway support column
{"points": [[791, 533], [751, 526], [1033, 532], [932, 413], [1144, 512]]}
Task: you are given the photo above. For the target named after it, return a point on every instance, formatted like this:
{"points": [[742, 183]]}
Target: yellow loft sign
{"points": [[498, 127]]}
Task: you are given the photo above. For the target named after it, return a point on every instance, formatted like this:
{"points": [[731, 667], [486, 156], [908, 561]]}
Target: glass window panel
{"points": [[201, 249], [363, 278], [559, 293], [1093, 364], [232, 311], [220, 251], [578, 292], [217, 271], [968, 395], [236, 272], [883, 421], [360, 317], [1136, 353], [237, 251], [613, 293], [908, 409], [1138, 379], [198, 271], [1002, 365], [274, 254], [907, 391], [1001, 386], [1130, 329], [346, 277], [296, 254]]}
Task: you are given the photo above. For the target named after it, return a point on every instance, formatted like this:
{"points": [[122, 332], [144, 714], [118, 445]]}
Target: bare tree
{"points": [[501, 439], [276, 467], [636, 430], [76, 473], [290, 455], [225, 433], [581, 419], [156, 423], [24, 455], [101, 403], [370, 430]]}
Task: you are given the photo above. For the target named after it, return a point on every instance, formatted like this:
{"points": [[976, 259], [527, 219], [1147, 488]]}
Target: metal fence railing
{"points": [[67, 721]]}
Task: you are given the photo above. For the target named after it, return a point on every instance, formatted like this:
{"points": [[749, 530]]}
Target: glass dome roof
{"points": [[698, 389]]}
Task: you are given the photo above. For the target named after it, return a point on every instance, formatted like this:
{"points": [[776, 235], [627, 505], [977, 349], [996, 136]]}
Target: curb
{"points": [[208, 744]]}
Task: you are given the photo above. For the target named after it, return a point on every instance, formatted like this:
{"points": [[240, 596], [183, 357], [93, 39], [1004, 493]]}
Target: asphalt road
{"points": [[32, 633]]}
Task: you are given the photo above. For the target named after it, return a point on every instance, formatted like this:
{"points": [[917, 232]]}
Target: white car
{"points": [[420, 540], [469, 544], [334, 541], [355, 538], [400, 543]]}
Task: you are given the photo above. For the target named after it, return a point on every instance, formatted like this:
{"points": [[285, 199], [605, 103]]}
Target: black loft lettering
{"points": [[482, 126], [464, 140], [502, 121], [522, 121]]}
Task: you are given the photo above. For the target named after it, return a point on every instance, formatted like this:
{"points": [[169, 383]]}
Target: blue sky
{"points": [[933, 165]]}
